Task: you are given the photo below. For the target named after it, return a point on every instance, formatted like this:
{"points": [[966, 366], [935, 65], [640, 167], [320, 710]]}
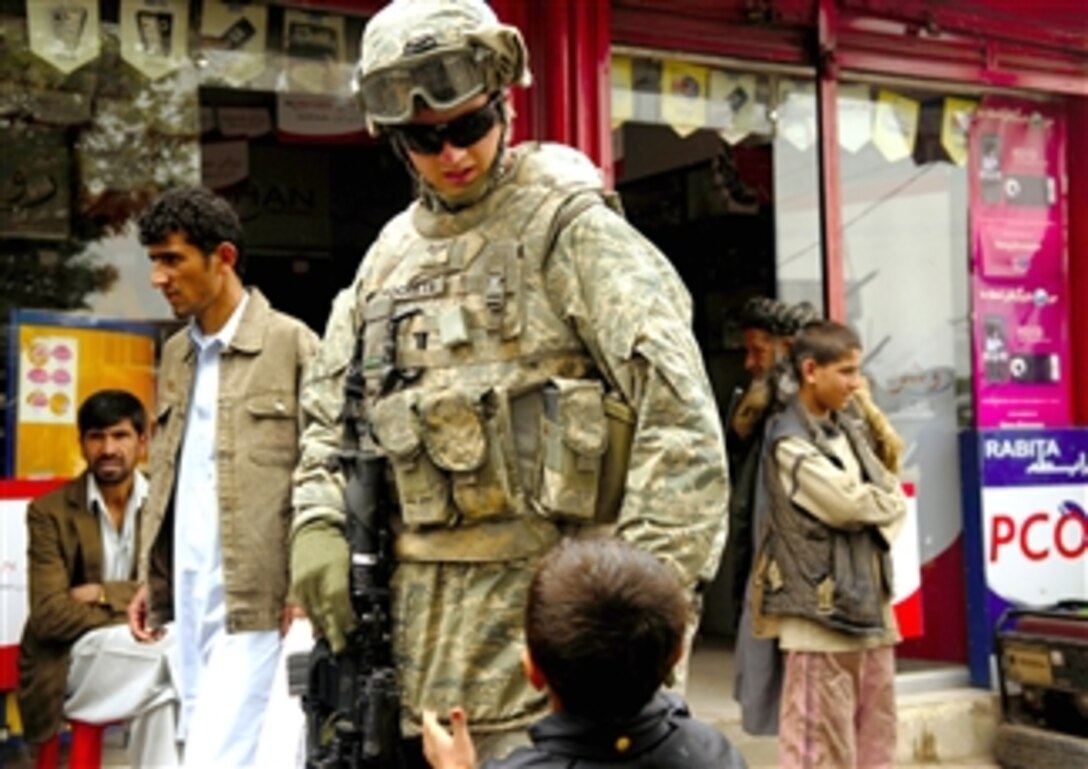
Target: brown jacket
{"points": [[64, 550], [257, 429]]}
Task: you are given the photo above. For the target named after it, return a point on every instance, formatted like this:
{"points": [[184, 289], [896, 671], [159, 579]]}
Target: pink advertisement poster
{"points": [[1019, 285]]}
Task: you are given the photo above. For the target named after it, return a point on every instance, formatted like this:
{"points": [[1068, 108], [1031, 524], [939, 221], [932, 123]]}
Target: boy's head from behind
{"points": [[604, 623], [827, 360]]}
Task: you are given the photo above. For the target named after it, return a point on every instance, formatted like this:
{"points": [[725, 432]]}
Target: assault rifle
{"points": [[351, 700]]}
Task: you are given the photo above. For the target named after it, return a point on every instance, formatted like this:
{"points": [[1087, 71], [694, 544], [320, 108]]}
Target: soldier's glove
{"points": [[319, 579]]}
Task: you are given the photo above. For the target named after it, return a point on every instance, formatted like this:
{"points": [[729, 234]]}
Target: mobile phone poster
{"points": [[1019, 283], [55, 361]]}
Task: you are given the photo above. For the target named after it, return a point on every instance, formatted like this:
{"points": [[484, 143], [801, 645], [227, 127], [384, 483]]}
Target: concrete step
{"points": [[950, 725]]}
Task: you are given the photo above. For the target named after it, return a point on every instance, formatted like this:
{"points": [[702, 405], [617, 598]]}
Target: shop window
{"points": [[104, 104], [718, 168], [903, 156]]}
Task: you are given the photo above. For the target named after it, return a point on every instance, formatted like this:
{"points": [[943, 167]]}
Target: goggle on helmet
{"points": [[438, 52], [443, 79]]}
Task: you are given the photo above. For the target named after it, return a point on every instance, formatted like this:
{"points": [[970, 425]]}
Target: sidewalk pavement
{"points": [[949, 726], [944, 727]]}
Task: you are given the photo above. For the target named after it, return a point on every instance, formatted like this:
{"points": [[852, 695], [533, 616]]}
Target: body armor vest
{"points": [[486, 402]]}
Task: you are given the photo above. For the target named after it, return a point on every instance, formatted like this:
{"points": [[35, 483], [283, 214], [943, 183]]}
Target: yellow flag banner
{"points": [[895, 125], [232, 38], [155, 35], [855, 117], [64, 34], [683, 90], [955, 123], [623, 97], [797, 113], [732, 106]]}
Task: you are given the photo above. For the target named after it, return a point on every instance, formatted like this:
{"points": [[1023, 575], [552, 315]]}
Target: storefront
{"points": [[864, 155]]}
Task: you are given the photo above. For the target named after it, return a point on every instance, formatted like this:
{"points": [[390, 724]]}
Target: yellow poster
{"points": [[855, 117], [683, 92], [955, 123], [61, 364], [623, 97], [895, 125]]}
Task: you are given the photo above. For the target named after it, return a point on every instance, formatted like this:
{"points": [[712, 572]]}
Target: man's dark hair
{"points": [[108, 407], [204, 218], [824, 341], [604, 623]]}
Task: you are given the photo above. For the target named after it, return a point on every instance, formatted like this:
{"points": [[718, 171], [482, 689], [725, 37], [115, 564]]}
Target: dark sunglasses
{"points": [[461, 132]]}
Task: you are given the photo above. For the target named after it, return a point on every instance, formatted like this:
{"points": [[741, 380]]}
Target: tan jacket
{"points": [[65, 550], [257, 430]]}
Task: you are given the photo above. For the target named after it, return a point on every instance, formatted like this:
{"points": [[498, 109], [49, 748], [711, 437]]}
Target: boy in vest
{"points": [[823, 578], [604, 625]]}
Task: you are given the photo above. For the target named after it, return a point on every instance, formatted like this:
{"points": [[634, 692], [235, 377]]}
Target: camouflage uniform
{"points": [[544, 344]]}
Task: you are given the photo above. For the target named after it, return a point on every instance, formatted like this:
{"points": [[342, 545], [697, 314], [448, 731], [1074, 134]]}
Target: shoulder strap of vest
{"points": [[575, 205]]}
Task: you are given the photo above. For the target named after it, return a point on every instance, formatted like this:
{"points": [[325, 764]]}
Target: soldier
{"points": [[530, 372]]}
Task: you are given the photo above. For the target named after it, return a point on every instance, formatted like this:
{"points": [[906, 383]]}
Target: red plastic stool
{"points": [[86, 750]]}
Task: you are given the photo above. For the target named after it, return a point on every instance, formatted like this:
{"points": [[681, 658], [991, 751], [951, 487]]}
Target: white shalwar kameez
{"points": [[224, 678]]}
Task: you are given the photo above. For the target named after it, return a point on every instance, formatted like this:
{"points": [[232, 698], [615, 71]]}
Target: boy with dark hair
{"points": [[604, 625], [822, 581]]}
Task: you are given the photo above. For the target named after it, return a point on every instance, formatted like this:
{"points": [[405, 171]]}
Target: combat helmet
{"points": [[443, 52]]}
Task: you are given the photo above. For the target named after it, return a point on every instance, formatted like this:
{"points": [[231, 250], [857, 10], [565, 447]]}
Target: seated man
{"points": [[605, 626], [77, 659]]}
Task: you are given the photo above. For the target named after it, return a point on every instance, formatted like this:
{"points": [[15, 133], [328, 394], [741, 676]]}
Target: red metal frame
{"points": [[827, 98], [1077, 165]]}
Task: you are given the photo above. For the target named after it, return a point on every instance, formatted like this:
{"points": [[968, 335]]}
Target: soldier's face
{"points": [[112, 452], [453, 169]]}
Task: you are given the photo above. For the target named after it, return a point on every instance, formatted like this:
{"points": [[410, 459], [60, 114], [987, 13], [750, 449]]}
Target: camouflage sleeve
{"points": [[318, 482], [633, 313]]}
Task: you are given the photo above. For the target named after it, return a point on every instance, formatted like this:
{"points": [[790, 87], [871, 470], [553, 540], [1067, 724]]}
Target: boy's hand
{"points": [[444, 750]]}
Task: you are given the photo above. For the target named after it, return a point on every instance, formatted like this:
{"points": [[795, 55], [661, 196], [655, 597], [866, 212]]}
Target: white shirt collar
{"points": [[139, 492], [223, 335]]}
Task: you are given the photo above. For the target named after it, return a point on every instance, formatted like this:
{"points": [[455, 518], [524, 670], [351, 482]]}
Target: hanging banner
{"points": [[1019, 272], [314, 46], [155, 35], [683, 96], [797, 113], [65, 34], [955, 123], [623, 98], [895, 125], [732, 107], [232, 38], [855, 117]]}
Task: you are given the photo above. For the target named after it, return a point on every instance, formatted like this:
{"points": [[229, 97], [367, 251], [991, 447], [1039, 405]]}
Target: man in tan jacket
{"points": [[213, 556], [77, 658]]}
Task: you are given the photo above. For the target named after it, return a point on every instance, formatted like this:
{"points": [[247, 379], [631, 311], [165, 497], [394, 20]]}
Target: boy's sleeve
{"points": [[834, 496]]}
